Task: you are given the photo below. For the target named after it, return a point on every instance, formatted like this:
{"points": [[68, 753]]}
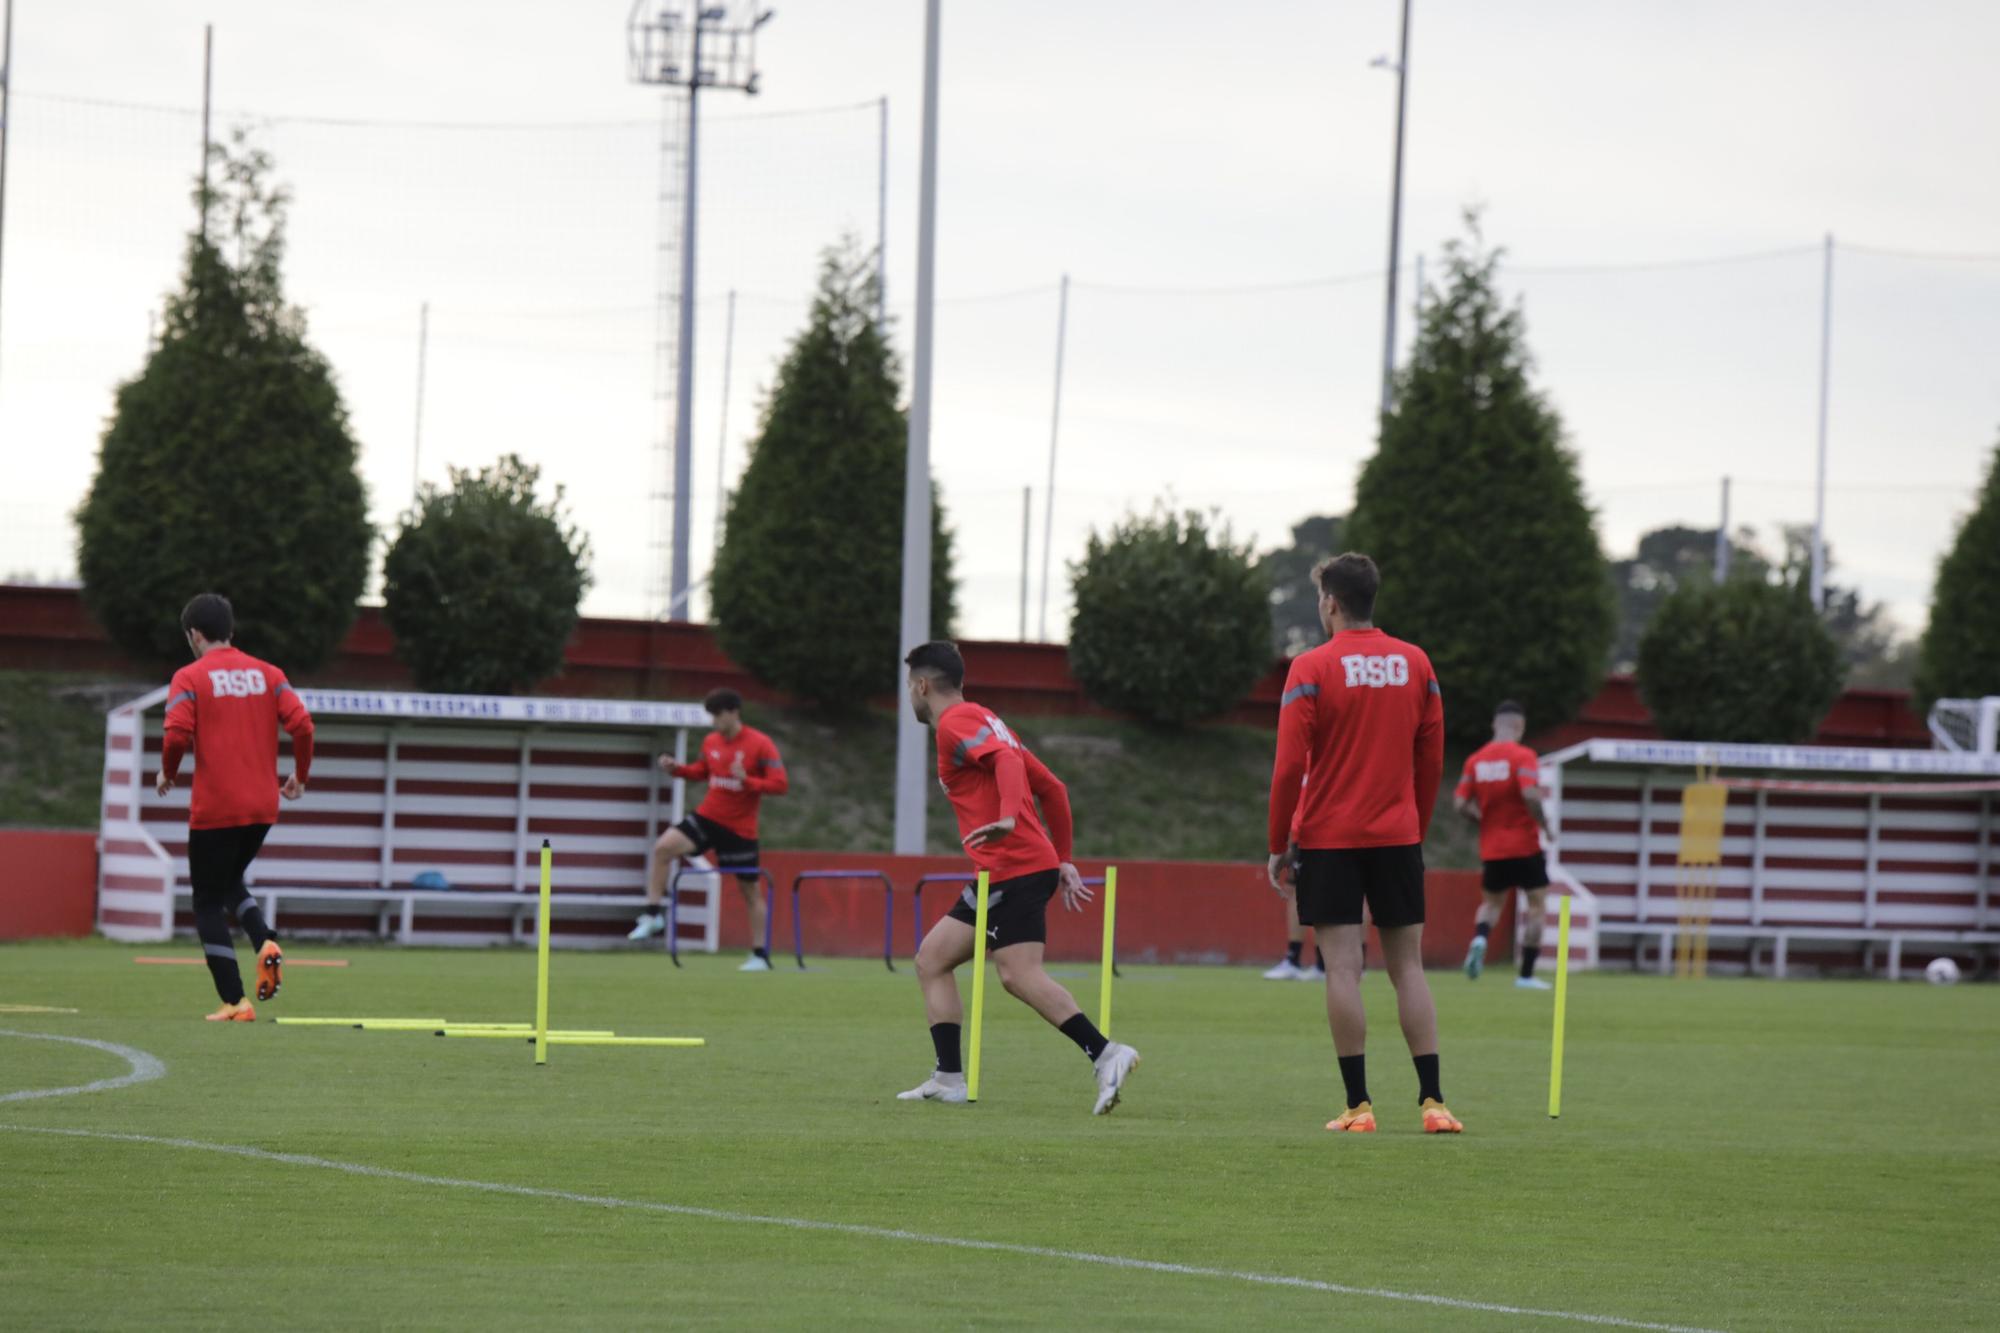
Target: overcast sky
{"points": [[1215, 179]]}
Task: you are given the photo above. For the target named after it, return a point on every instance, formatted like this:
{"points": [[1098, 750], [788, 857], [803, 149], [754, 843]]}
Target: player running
{"points": [[1362, 724], [992, 780], [1500, 791], [227, 708], [741, 766]]}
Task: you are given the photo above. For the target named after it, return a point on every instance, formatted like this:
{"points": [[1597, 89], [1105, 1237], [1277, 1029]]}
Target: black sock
{"points": [[1427, 1079], [222, 967], [764, 954], [1292, 952], [251, 918], [1354, 1073], [657, 910], [1529, 954], [944, 1036], [1482, 930], [1085, 1034]]}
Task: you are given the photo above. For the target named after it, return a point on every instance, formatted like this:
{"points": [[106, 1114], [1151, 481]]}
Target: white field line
{"points": [[144, 1068]]}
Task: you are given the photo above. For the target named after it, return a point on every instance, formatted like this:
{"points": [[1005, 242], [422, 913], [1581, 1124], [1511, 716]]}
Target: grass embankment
{"points": [[1138, 791]]}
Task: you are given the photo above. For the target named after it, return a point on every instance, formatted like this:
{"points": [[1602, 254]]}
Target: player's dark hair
{"points": [[941, 658], [723, 701], [1351, 580], [211, 614], [1508, 706]]}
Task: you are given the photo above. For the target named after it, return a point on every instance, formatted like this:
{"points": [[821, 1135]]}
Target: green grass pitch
{"points": [[1732, 1155]]}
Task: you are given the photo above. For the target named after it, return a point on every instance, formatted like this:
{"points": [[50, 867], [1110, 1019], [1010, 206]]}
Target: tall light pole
{"points": [[1825, 387], [6, 91], [1055, 432], [667, 49], [911, 752], [1401, 66]]}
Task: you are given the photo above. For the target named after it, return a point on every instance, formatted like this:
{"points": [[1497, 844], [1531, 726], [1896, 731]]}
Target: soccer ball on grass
{"points": [[1941, 972]]}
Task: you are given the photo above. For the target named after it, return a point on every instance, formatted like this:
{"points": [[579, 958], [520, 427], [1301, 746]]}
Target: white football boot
{"points": [[939, 1087], [755, 964], [1114, 1066], [1284, 971], [648, 926]]}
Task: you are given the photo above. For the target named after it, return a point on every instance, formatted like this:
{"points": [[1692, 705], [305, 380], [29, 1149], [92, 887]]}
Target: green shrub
{"points": [[1744, 661], [482, 583], [1960, 657], [1172, 620]]}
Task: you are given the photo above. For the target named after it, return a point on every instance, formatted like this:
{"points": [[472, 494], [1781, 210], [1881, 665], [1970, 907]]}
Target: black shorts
{"points": [[731, 849], [1334, 882], [1017, 910], [1515, 872], [217, 858]]}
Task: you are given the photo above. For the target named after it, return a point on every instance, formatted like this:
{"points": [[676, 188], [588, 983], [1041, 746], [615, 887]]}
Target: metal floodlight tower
{"points": [[693, 47]]}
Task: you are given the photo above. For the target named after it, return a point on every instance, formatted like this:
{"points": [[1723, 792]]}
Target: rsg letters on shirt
{"points": [[1375, 670], [243, 684]]}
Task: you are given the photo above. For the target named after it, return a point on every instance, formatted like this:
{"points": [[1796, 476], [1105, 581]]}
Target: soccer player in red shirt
{"points": [[1361, 723], [741, 766], [1500, 791], [993, 781], [227, 708]]}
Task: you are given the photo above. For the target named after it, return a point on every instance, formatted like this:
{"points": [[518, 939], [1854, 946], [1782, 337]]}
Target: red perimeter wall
{"points": [[50, 888], [1168, 911], [48, 629]]}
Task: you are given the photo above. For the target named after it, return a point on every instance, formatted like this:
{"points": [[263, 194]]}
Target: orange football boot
{"points": [[1355, 1120], [269, 959], [240, 1012], [1437, 1120]]}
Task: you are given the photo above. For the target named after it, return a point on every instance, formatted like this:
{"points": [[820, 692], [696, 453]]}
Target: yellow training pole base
{"points": [[1110, 934], [1562, 999], [978, 988], [355, 1022], [402, 1024], [522, 1034], [555, 1040]]}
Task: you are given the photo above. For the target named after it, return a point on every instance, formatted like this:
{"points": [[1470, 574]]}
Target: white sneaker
{"points": [[648, 926], [1285, 971], [755, 964], [1531, 983], [1313, 973], [1114, 1066], [1475, 958], [946, 1088]]}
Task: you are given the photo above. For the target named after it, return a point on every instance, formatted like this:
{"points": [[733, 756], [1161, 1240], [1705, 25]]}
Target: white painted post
{"points": [[1868, 866], [521, 816], [1645, 849], [1757, 860]]}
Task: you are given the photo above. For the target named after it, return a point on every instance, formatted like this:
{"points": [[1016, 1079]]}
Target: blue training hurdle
{"points": [[888, 913], [740, 872]]}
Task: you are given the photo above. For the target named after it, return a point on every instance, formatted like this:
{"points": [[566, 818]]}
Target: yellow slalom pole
{"points": [[627, 1041], [542, 966], [978, 988], [355, 1022], [1562, 998], [520, 1034], [1110, 934]]}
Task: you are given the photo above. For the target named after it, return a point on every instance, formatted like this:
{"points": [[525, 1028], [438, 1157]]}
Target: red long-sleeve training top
{"points": [[1361, 726], [227, 707], [989, 774], [733, 801]]}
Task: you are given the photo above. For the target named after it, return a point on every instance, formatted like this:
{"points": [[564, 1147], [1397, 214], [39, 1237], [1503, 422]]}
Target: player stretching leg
{"points": [[227, 708], [1500, 791], [1361, 723], [741, 766], [992, 780]]}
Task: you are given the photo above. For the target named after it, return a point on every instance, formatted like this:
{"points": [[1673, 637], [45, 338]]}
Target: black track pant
{"points": [[217, 858]]}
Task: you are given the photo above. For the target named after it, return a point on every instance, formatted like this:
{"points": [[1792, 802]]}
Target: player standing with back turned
{"points": [[227, 707], [1361, 723], [1500, 791], [993, 781]]}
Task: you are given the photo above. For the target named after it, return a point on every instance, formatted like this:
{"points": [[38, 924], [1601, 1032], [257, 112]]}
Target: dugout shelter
{"points": [[1841, 858], [423, 820]]}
